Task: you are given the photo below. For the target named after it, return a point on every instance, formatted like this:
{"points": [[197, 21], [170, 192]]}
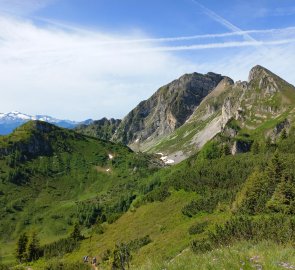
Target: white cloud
{"points": [[68, 72]]}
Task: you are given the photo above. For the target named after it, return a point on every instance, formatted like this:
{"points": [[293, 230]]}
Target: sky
{"points": [[81, 59]]}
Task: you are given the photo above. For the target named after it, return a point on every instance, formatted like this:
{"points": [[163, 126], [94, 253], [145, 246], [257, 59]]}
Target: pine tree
{"points": [[283, 135], [253, 196], [274, 172], [268, 144], [76, 234], [255, 148], [283, 199], [21, 250], [122, 257], [225, 150], [34, 251]]}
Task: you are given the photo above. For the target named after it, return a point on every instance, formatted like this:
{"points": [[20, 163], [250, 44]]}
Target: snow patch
{"points": [[111, 156], [165, 159]]}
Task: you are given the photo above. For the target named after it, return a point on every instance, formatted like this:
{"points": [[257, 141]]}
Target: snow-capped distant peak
{"points": [[15, 115], [11, 120]]}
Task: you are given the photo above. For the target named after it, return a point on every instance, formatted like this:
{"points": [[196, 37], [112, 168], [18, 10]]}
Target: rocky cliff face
{"points": [[258, 104], [185, 114], [103, 129], [166, 110]]}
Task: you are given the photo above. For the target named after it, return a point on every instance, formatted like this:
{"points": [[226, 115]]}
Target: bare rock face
{"points": [[167, 109], [265, 79]]}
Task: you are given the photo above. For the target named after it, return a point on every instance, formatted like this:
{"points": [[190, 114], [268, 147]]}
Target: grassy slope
{"points": [[48, 201], [243, 255], [162, 221]]}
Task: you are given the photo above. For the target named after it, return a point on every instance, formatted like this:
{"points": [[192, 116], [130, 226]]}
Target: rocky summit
{"points": [[182, 116], [166, 110]]}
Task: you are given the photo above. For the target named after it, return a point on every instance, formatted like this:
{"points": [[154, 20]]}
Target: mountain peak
{"points": [[258, 72], [39, 126]]}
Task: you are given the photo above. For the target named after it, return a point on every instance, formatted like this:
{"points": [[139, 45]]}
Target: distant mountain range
{"points": [[11, 120]]}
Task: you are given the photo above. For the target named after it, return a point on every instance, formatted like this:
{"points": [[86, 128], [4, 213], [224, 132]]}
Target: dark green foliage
{"points": [[89, 213], [103, 129], [106, 255], [159, 194], [283, 134], [212, 150], [76, 234], [268, 144], [34, 250], [17, 177], [60, 248], [138, 243], [253, 196], [4, 267], [233, 124], [260, 187], [21, 250], [121, 257], [203, 245], [283, 198], [28, 250], [277, 228], [255, 148], [198, 228], [203, 204], [225, 150]]}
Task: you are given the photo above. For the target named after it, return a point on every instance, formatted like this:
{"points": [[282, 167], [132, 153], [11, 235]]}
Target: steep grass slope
{"points": [[52, 178]]}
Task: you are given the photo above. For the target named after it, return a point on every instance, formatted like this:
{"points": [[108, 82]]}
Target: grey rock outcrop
{"points": [[167, 109]]}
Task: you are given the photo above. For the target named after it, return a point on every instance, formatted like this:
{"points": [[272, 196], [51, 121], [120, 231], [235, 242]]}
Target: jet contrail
{"points": [[222, 21]]}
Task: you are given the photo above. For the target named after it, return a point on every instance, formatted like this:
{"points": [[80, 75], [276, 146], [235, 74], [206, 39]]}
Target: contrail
{"points": [[239, 32], [219, 45], [222, 21]]}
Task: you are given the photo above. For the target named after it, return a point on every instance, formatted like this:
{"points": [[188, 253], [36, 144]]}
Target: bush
{"points": [[203, 204], [60, 247], [201, 246], [198, 228], [160, 194], [278, 228], [136, 244]]}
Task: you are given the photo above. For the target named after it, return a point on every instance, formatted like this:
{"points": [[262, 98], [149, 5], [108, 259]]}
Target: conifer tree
{"points": [[255, 147], [274, 172], [21, 250], [122, 257], [34, 251], [283, 135], [283, 199], [76, 234]]}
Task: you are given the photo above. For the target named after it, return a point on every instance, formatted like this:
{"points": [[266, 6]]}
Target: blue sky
{"points": [[81, 59]]}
